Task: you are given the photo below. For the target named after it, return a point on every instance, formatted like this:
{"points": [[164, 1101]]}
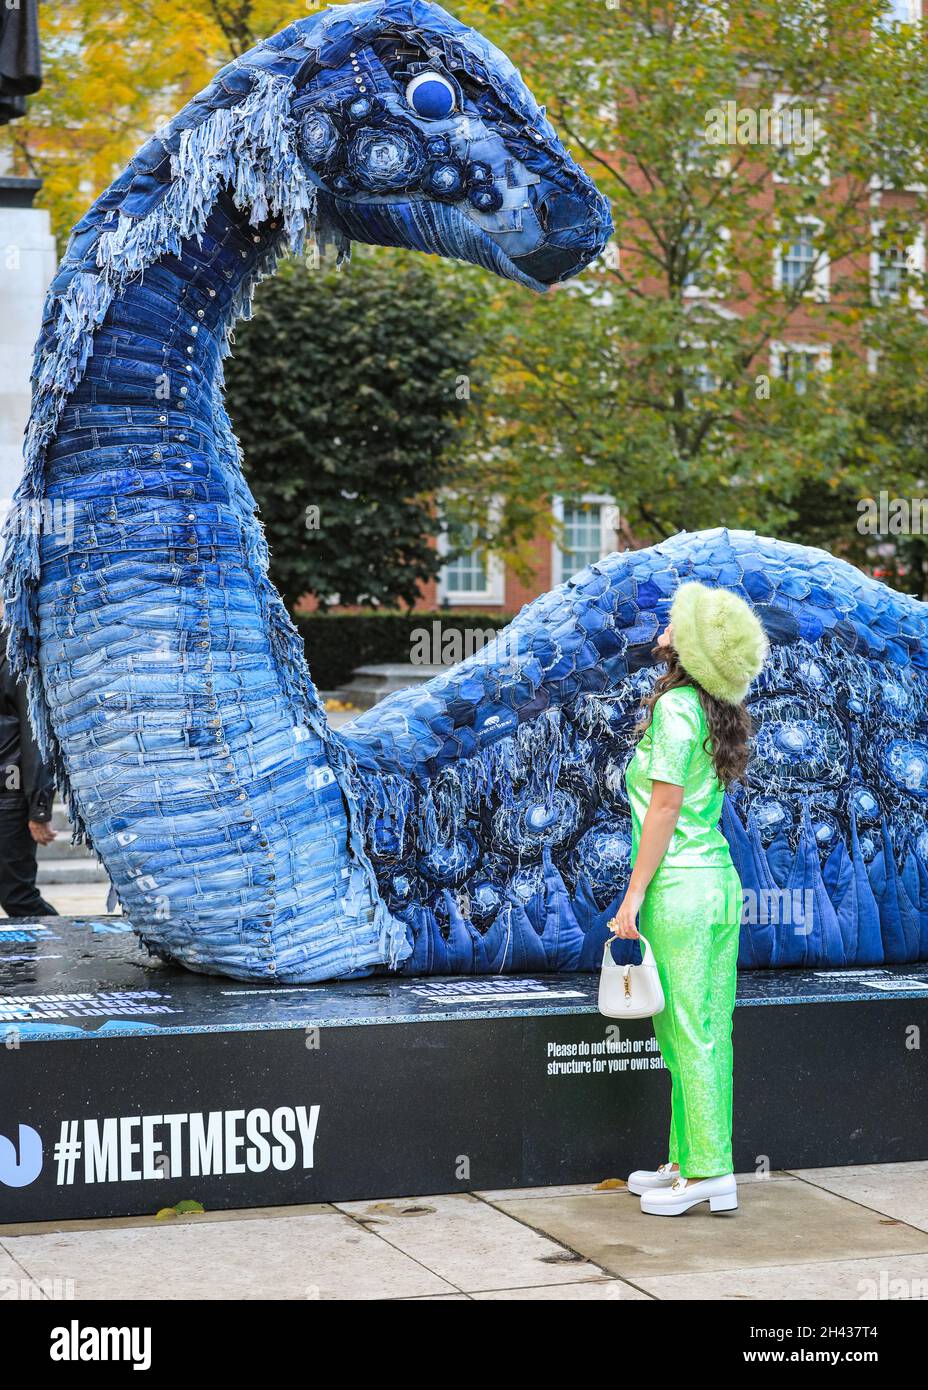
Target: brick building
{"points": [[585, 528]]}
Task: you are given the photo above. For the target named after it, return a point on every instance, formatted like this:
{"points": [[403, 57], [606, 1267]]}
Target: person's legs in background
{"points": [[19, 895]]}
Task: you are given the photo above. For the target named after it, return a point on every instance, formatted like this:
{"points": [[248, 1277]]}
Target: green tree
{"points": [[114, 70], [347, 390], [723, 135]]}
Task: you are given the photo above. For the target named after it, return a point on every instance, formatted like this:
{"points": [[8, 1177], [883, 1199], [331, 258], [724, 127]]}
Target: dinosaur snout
{"points": [[576, 227]]}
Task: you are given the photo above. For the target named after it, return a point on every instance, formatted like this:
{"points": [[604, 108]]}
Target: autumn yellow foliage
{"points": [[114, 71]]}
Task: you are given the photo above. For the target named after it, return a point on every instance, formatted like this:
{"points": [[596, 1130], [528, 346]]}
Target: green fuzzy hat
{"points": [[718, 639]]}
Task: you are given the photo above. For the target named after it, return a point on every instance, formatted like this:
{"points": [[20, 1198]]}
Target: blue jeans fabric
{"points": [[210, 798]]}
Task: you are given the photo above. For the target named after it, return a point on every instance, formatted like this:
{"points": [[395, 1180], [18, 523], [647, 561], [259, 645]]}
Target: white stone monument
{"points": [[27, 265]]}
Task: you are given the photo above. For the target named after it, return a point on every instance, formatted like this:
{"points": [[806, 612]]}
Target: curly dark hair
{"points": [[730, 727]]}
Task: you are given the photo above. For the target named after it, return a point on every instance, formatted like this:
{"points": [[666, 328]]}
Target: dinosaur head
{"points": [[417, 132]]}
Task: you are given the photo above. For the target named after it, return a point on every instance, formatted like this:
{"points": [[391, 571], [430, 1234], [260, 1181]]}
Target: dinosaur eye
{"points": [[431, 96]]}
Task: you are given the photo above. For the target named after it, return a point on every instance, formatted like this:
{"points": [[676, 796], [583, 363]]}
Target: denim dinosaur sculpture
{"points": [[476, 823], [499, 824]]}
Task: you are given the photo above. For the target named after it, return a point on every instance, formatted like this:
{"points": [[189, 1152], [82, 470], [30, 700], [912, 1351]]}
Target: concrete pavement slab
{"points": [[327, 1256], [470, 1243]]}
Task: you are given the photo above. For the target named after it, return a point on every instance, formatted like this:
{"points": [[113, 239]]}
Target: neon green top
{"points": [[673, 749]]}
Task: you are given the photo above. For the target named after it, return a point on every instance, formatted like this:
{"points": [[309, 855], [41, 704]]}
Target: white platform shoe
{"points": [[721, 1194], [644, 1180]]}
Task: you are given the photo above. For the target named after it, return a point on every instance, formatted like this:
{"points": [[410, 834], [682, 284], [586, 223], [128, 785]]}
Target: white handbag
{"points": [[630, 991]]}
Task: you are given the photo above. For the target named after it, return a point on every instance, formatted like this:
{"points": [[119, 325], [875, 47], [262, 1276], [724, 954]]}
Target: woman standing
{"points": [[683, 885]]}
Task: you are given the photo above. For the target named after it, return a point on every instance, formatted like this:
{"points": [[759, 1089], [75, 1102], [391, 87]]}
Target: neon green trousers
{"points": [[692, 918]]}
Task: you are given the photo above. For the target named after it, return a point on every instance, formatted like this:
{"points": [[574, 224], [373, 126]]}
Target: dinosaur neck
{"points": [[144, 440], [159, 350], [232, 253], [171, 616]]}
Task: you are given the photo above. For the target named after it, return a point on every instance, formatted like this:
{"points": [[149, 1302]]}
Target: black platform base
{"points": [[129, 1086]]}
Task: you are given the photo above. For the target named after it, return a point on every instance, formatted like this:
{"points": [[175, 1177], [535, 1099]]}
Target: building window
{"points": [[583, 531], [798, 136], [896, 270], [893, 272], [473, 575], [901, 163], [588, 530], [807, 20], [798, 367], [799, 261], [701, 380], [709, 248], [797, 363], [704, 380], [899, 12], [467, 573]]}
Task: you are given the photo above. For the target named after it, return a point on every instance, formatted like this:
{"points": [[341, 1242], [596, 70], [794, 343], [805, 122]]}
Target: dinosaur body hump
{"points": [[498, 819]]}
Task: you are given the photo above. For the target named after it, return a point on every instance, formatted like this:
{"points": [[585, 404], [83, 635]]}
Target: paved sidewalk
{"points": [[75, 899], [820, 1233]]}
